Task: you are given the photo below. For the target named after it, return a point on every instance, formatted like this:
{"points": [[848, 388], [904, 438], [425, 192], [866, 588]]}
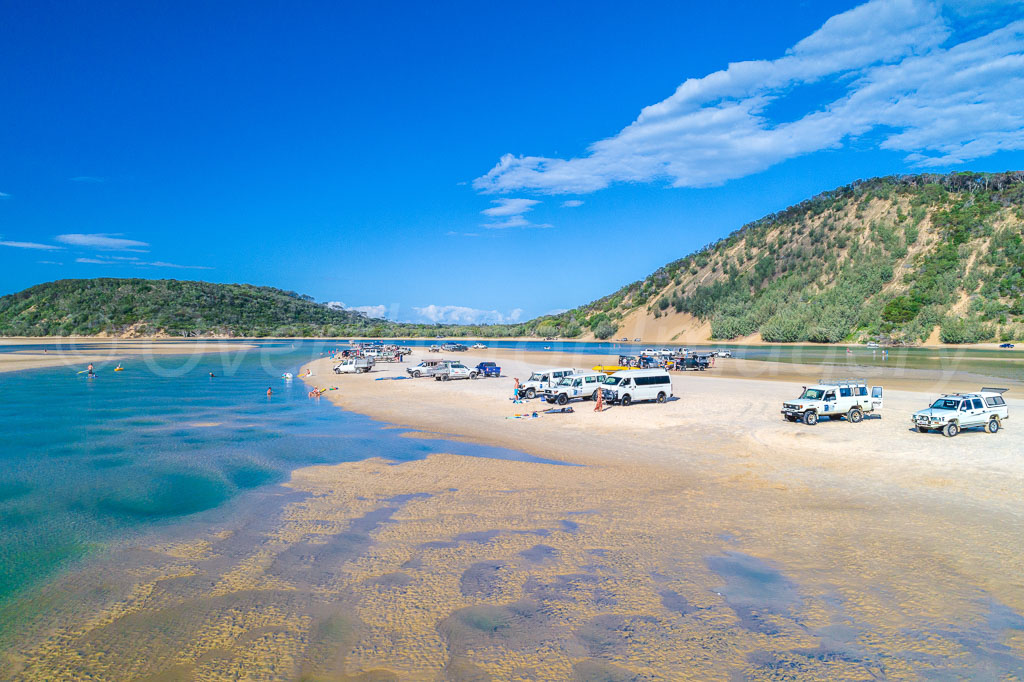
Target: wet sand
{"points": [[701, 539]]}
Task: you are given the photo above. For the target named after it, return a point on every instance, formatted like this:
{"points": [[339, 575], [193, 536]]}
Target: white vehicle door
{"points": [[830, 402], [978, 412], [966, 415], [876, 397]]}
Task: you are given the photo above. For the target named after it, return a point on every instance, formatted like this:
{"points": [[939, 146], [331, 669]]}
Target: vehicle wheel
{"points": [[445, 377], [950, 430], [855, 416], [531, 394], [921, 429], [562, 399], [593, 396], [662, 397], [789, 417], [992, 426], [473, 375], [416, 374], [551, 401], [810, 418], [627, 400]]}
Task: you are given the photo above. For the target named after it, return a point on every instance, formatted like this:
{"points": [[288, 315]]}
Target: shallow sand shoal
{"points": [[107, 351], [701, 539]]}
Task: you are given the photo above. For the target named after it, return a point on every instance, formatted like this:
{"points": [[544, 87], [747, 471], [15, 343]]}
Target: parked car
{"points": [[954, 412], [834, 398], [354, 366], [542, 379], [1006, 345], [435, 349], [488, 369], [723, 353], [696, 362], [478, 346], [583, 385], [631, 385], [427, 368], [454, 370]]}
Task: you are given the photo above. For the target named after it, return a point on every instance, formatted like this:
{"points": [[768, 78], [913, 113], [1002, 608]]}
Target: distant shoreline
{"points": [[18, 340]]}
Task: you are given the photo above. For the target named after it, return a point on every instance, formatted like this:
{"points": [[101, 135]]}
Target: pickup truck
{"points": [[454, 370], [354, 366], [488, 369]]}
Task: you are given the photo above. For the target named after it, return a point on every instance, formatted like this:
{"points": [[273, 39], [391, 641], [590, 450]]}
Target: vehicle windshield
{"points": [[565, 381], [813, 394], [537, 377], [613, 381], [946, 404]]}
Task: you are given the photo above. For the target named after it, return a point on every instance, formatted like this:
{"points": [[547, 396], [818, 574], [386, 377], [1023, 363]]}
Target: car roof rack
{"points": [[843, 382], [986, 389]]}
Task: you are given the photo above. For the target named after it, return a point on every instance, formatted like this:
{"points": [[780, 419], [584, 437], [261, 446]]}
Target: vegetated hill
{"points": [[903, 259], [167, 307]]}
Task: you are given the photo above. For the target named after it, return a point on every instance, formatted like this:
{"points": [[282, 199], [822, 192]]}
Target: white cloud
{"points": [[456, 314], [4, 195], [162, 264], [115, 260], [103, 242], [572, 203], [374, 311], [31, 245], [905, 86], [512, 211], [507, 207], [514, 221], [48, 262]]}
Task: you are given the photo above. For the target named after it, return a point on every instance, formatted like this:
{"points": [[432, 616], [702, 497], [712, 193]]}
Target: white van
{"points": [[630, 385], [583, 385], [542, 379]]}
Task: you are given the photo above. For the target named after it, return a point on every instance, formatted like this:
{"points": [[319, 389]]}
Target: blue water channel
{"points": [[86, 462]]}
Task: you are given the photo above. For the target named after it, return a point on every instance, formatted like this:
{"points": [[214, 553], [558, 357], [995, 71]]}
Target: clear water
{"points": [[88, 462]]}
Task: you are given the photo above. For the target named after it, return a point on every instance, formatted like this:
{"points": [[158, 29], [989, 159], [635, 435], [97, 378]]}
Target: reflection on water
{"points": [[86, 461]]}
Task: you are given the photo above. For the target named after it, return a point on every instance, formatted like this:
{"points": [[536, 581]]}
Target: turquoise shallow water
{"points": [[89, 462]]}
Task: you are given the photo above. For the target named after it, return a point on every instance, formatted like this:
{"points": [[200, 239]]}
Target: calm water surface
{"points": [[88, 462]]}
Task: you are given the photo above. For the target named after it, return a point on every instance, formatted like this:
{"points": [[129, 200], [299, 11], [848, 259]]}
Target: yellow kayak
{"points": [[611, 369]]}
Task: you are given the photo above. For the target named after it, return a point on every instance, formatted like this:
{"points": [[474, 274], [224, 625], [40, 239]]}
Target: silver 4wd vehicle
{"points": [[954, 412], [583, 385], [834, 398], [427, 368], [454, 370]]}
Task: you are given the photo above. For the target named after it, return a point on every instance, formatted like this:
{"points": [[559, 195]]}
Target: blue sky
{"points": [[463, 161]]}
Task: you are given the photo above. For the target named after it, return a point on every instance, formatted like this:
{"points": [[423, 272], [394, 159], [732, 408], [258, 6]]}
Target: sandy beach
{"points": [[64, 353], [701, 539]]}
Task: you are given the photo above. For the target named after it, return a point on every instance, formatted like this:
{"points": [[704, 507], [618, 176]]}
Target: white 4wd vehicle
{"points": [[543, 379], [583, 385], [354, 366], [834, 398], [630, 385], [454, 370], [957, 411]]}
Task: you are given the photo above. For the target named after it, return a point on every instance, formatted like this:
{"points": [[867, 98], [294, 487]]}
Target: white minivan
{"points": [[630, 385], [583, 385], [543, 379]]}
